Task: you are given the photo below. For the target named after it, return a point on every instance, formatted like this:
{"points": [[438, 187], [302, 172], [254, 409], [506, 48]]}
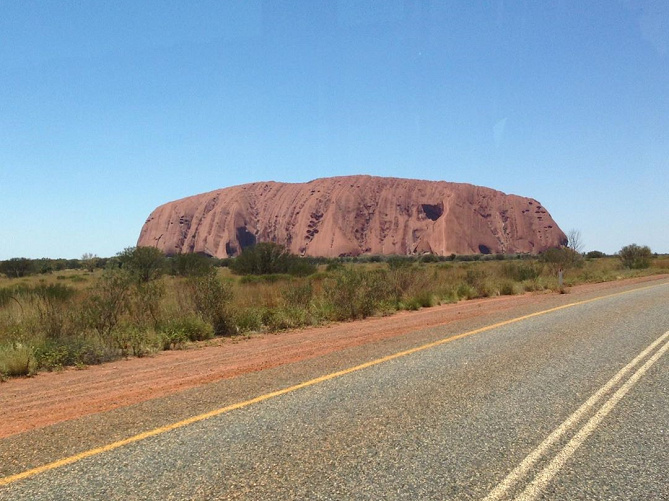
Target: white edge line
{"points": [[517, 473]]}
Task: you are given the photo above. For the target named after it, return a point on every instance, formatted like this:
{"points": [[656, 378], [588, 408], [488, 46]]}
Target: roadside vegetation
{"points": [[59, 313]]}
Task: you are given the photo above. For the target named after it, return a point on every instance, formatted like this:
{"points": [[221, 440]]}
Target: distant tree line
{"points": [[270, 258]]}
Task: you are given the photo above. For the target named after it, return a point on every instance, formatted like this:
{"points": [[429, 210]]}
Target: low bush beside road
{"points": [[141, 303]]}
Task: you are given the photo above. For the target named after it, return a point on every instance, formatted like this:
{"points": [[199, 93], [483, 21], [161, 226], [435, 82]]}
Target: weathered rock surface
{"points": [[352, 215]]}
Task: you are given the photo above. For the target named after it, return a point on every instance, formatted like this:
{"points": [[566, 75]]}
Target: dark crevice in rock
{"points": [[433, 212]]}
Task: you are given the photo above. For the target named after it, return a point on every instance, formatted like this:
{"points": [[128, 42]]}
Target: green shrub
{"points": [[107, 302], [248, 319], [135, 341], [192, 327], [356, 293], [429, 258], [521, 271], [561, 258], [298, 294], [466, 291], [16, 359], [173, 339], [334, 266], [400, 262], [268, 258], [142, 263], [422, 299], [635, 257], [190, 265], [210, 297], [300, 267], [507, 288], [55, 354], [265, 279], [52, 306], [145, 303], [285, 317]]}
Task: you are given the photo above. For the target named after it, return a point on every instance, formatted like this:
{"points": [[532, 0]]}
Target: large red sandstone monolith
{"points": [[352, 215]]}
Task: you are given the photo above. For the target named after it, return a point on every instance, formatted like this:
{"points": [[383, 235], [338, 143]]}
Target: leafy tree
{"points": [[561, 258], [142, 263], [595, 254], [17, 267], [635, 257]]}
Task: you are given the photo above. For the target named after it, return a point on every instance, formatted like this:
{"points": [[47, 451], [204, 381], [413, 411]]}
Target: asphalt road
{"points": [[570, 404]]}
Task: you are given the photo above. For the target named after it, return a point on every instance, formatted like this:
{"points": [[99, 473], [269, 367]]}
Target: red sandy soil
{"points": [[50, 398]]}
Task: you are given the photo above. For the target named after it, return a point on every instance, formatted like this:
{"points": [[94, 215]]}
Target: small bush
{"points": [[635, 257], [190, 265], [466, 291], [248, 319], [298, 295], [135, 341], [268, 258], [107, 302], [507, 288], [422, 299], [192, 327], [173, 339], [285, 317], [400, 262], [334, 266], [521, 271], [265, 279], [56, 354], [429, 258], [356, 293], [16, 360], [561, 258], [210, 297]]}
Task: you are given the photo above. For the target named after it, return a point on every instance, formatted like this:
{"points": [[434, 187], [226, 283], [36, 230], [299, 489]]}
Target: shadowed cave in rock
{"points": [[433, 212]]}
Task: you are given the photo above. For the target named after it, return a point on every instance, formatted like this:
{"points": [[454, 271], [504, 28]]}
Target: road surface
{"points": [[565, 402]]}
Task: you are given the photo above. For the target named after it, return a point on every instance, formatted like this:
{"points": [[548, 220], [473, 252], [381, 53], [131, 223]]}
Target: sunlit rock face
{"points": [[353, 215]]}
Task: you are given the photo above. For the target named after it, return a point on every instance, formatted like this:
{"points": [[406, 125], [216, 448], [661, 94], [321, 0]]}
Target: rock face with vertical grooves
{"points": [[353, 215]]}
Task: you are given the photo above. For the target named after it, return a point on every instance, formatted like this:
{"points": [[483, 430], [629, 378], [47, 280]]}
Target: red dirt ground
{"points": [[50, 398]]}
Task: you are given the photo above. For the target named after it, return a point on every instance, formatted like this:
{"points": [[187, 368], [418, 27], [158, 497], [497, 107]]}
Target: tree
{"points": [[561, 258], [17, 267], [89, 261], [142, 263], [635, 257], [575, 241]]}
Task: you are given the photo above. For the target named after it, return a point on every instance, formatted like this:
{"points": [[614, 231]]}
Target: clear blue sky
{"points": [[109, 109]]}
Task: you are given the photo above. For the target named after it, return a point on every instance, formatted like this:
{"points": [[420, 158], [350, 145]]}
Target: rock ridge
{"points": [[353, 215]]}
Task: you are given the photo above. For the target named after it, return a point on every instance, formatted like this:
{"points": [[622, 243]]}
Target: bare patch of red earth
{"points": [[50, 398]]}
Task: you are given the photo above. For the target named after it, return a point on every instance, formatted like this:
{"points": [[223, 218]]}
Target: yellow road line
{"points": [[201, 417]]}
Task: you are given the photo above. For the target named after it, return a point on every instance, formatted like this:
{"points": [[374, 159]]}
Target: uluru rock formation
{"points": [[353, 215]]}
